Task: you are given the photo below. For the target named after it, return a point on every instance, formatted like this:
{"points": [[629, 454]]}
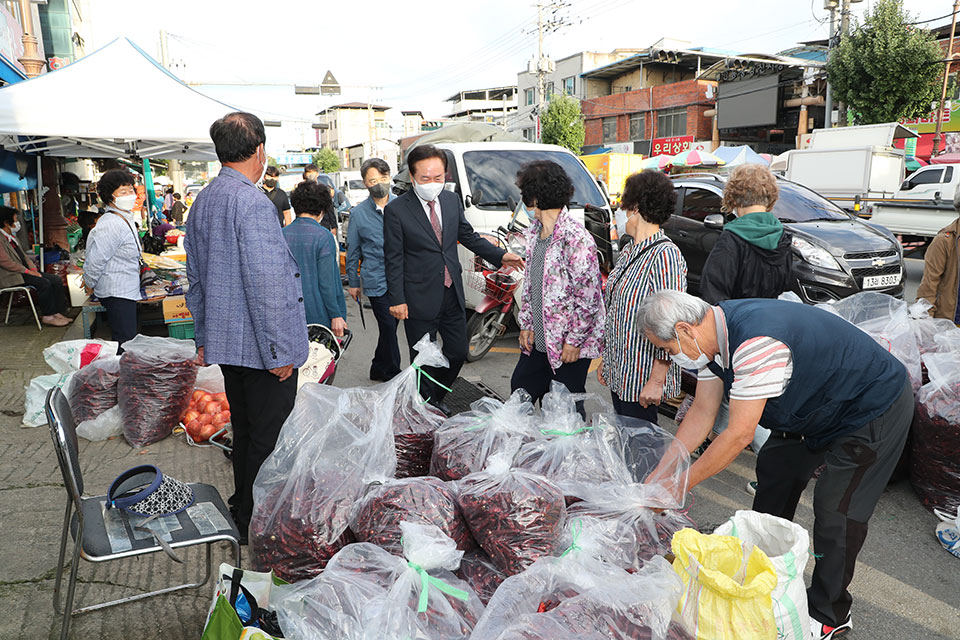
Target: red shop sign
{"points": [[670, 146]]}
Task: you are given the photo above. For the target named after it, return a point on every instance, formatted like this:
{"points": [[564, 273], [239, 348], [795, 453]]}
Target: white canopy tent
{"points": [[68, 112]]}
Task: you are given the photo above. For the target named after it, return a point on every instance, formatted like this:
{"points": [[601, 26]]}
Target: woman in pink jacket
{"points": [[561, 308]]}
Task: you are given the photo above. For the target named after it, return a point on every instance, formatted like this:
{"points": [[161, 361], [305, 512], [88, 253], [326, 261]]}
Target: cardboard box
{"points": [[78, 297], [175, 309]]}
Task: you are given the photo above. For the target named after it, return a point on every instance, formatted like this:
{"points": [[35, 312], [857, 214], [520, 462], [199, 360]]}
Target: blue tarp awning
{"points": [[18, 172], [9, 71]]}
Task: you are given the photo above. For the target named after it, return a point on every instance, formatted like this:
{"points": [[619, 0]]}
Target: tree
{"points": [[563, 123], [327, 160], [886, 69]]}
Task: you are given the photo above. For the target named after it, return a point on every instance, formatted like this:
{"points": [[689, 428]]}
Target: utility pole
{"points": [[938, 136], [370, 125], [544, 65], [844, 31], [830, 5]]}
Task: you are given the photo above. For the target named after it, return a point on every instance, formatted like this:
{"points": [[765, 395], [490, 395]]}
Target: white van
{"points": [[926, 182], [351, 184], [483, 175]]}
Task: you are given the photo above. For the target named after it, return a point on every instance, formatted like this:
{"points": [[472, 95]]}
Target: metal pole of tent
{"points": [[39, 206]]}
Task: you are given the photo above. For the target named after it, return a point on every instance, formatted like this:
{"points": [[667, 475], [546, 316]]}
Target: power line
{"points": [[949, 15]]}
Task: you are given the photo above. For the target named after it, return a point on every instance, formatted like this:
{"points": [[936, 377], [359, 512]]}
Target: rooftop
{"points": [[354, 105], [492, 93]]}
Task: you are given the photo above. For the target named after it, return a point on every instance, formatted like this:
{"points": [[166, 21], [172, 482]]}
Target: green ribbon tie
{"points": [[421, 372], [558, 432], [427, 581], [479, 423], [575, 531]]}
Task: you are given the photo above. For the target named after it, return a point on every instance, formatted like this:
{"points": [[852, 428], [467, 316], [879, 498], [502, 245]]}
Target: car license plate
{"points": [[880, 282]]}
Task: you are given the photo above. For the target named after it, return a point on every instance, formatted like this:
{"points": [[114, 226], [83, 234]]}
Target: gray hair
{"points": [[659, 313]]}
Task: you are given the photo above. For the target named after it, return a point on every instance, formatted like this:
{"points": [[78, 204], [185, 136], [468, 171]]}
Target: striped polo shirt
{"points": [[762, 366], [628, 357]]}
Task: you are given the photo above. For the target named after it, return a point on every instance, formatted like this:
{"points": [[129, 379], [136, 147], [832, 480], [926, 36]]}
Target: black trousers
{"points": [[259, 405], [386, 358], [858, 467], [633, 409], [451, 324], [50, 293], [122, 316], [534, 375]]}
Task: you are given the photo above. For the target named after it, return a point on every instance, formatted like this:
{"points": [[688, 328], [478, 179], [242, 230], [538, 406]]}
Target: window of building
{"points": [[699, 203], [610, 129], [569, 86], [672, 122], [529, 134], [529, 96], [548, 92], [637, 127]]}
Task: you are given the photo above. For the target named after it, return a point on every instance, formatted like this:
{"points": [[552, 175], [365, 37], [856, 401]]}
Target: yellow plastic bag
{"points": [[727, 587]]}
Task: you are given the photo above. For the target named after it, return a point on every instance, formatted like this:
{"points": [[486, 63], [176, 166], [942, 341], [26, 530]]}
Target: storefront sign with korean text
{"points": [[670, 146]]}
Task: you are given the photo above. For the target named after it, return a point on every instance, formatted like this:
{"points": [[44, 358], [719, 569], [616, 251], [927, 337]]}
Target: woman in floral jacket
{"points": [[562, 307]]}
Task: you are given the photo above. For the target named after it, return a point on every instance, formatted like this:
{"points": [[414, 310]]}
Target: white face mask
{"points": [[429, 191], [16, 227], [686, 362], [125, 203], [621, 218]]}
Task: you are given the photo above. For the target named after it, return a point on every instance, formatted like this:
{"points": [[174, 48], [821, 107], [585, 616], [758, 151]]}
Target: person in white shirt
{"points": [[17, 270], [112, 265]]}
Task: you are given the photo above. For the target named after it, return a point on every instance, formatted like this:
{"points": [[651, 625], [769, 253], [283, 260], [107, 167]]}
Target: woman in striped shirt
{"points": [[638, 374]]}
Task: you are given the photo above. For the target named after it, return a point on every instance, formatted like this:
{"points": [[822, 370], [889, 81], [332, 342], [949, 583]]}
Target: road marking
{"points": [[505, 349]]}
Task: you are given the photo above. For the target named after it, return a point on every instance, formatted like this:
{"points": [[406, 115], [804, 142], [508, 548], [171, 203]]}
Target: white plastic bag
{"points": [[570, 452], [69, 355], [887, 320], [926, 328], [463, 443], [210, 379], [93, 389], [787, 544], [107, 425], [34, 414]]}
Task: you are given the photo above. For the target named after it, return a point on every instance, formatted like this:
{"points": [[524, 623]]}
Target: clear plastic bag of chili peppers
{"points": [[926, 328], [653, 456], [623, 508], [414, 420], [463, 443], [935, 443], [368, 593], [570, 452], [516, 516], [93, 389], [424, 500], [477, 570], [156, 380], [333, 444], [576, 594]]}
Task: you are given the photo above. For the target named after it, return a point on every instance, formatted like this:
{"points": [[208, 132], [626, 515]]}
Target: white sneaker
{"points": [[822, 631], [948, 531]]}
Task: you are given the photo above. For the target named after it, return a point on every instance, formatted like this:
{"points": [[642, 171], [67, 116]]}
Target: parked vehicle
{"points": [[852, 166], [351, 184], [916, 221], [501, 288], [483, 175], [933, 182], [835, 253]]}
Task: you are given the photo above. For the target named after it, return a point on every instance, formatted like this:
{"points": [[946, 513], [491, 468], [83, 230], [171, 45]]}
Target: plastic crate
{"points": [[181, 330]]}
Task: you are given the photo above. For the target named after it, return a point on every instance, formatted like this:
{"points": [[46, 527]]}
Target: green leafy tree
{"points": [[886, 70], [563, 123], [327, 160]]}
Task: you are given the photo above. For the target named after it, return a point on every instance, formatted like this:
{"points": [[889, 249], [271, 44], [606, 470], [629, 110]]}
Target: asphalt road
{"points": [[906, 586]]}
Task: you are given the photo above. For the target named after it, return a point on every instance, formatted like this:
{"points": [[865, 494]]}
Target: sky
{"points": [[416, 56]]}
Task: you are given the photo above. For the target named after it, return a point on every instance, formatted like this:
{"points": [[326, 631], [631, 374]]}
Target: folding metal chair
{"points": [[84, 520], [28, 290]]}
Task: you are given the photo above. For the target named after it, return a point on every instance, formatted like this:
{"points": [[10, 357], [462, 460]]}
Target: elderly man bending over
{"points": [[829, 393]]}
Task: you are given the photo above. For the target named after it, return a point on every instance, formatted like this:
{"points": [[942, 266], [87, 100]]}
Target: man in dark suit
{"points": [[421, 231]]}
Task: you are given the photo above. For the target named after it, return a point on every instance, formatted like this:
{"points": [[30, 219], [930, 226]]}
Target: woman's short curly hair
{"points": [[545, 185], [750, 185], [651, 194], [112, 180], [312, 197]]}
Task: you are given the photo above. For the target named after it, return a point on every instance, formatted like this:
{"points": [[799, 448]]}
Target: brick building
{"points": [[639, 102]]}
